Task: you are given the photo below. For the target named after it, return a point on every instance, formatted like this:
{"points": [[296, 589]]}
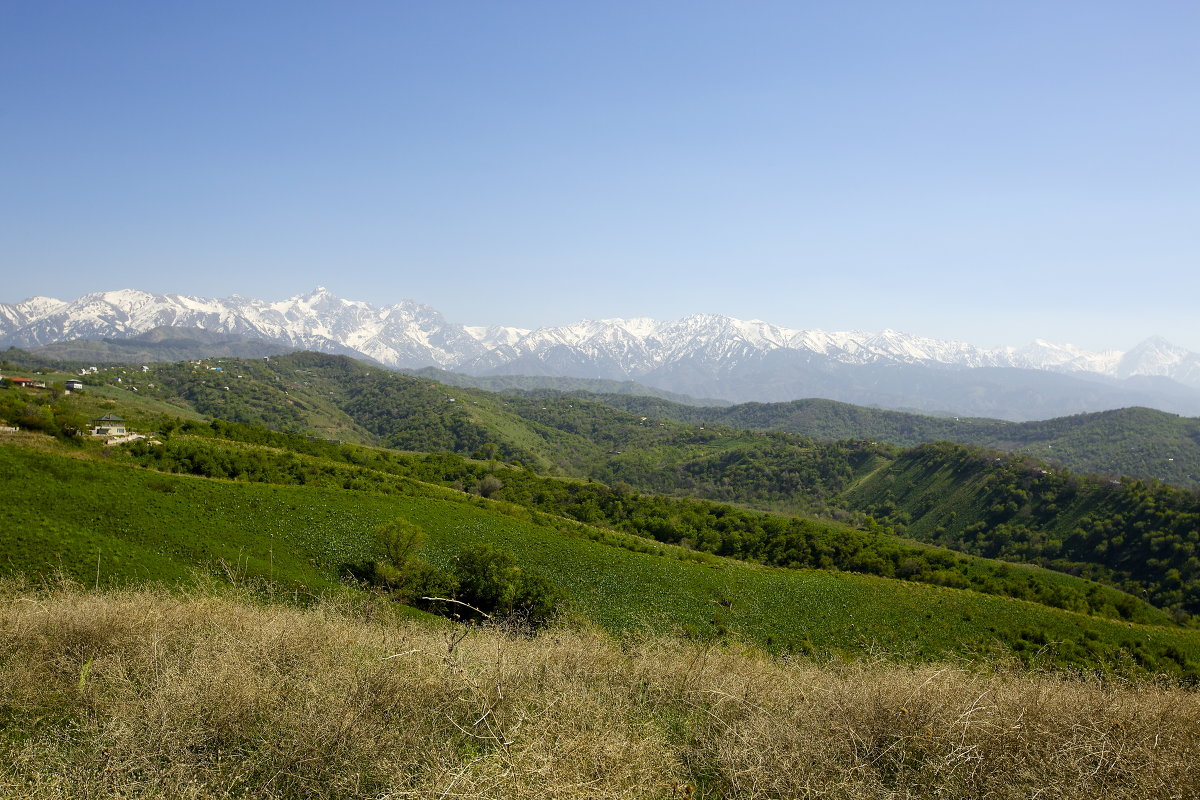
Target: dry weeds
{"points": [[140, 694]]}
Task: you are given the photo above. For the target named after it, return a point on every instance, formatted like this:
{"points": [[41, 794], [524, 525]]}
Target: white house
{"points": [[108, 425]]}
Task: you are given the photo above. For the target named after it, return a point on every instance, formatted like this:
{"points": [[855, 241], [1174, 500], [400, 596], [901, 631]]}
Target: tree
{"points": [[400, 540], [71, 421], [487, 578], [487, 451]]}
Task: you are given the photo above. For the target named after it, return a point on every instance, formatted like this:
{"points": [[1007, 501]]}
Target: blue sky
{"points": [[987, 171]]}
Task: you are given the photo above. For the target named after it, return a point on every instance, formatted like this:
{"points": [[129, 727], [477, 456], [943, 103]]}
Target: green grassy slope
{"points": [[247, 453], [77, 514]]}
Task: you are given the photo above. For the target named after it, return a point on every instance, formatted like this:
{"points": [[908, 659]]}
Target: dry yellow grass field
{"points": [[148, 694]]}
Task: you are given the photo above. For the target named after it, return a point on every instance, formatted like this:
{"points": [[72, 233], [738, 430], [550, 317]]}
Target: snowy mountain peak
{"points": [[40, 305], [18, 314], [1154, 356]]}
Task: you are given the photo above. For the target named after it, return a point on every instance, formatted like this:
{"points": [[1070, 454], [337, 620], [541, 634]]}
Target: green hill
{"points": [[226, 450], [324, 394], [1144, 537], [1138, 442]]}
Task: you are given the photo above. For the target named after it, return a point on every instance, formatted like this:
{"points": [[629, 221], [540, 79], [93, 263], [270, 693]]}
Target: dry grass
{"points": [[144, 694]]}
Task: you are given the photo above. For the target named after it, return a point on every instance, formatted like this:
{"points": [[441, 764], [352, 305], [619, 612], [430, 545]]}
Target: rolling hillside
{"points": [[1142, 537], [1138, 442], [1135, 442], [1138, 538]]}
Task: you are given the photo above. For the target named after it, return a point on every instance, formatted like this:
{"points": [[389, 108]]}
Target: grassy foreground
{"points": [[145, 693]]}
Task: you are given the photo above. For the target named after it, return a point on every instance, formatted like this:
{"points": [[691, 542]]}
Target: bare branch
{"points": [[459, 602]]}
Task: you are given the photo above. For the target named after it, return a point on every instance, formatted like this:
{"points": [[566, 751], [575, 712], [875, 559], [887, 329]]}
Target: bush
{"points": [[401, 571], [490, 580], [487, 580]]}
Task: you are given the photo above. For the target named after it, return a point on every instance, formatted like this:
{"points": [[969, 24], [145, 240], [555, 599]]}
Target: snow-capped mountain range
{"points": [[673, 355]]}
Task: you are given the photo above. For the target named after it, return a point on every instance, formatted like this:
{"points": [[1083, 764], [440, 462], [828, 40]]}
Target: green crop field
{"points": [[107, 523]]}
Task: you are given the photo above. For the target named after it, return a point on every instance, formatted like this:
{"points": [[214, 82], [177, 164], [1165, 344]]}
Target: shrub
{"points": [[490, 580], [401, 571]]}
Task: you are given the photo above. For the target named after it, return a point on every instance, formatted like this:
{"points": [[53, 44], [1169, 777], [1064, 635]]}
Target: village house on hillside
{"points": [[108, 425]]}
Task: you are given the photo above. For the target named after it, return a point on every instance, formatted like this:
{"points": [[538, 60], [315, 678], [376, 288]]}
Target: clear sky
{"points": [[986, 171]]}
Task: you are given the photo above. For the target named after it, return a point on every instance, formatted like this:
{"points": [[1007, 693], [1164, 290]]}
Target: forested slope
{"points": [[1142, 536]]}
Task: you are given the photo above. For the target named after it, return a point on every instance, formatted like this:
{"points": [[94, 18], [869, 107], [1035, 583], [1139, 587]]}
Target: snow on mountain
{"points": [[20, 314], [625, 348], [1154, 356], [409, 334], [1157, 356], [495, 336], [1040, 354]]}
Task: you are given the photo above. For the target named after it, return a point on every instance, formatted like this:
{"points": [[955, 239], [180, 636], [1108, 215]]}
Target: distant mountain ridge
{"points": [[700, 355], [162, 344]]}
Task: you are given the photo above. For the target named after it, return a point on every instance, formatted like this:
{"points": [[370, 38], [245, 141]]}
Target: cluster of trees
{"points": [[195, 456], [767, 470], [252, 395], [481, 581], [411, 415]]}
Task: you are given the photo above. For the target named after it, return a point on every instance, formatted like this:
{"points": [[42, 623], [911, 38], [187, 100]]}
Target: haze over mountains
{"points": [[703, 355]]}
